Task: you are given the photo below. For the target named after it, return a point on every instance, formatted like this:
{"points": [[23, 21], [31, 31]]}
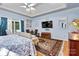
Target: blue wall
{"points": [[56, 31], [4, 13], [12, 15]]}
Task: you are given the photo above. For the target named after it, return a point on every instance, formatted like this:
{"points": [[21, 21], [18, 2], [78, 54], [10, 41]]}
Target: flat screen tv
{"points": [[47, 24]]}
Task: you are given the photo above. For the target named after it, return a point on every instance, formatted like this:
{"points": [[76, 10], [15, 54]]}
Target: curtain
{"points": [[3, 26], [22, 26]]}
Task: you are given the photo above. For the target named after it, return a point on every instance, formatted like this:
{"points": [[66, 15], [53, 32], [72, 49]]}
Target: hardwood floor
{"points": [[66, 48]]}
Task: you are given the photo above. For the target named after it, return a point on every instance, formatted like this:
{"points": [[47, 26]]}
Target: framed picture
{"points": [[63, 23]]}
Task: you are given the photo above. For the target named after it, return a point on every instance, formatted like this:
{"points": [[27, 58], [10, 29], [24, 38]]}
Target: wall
{"points": [[56, 31], [13, 16]]}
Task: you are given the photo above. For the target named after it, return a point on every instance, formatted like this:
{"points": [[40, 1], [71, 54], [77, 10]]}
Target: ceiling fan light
{"points": [[28, 9]]}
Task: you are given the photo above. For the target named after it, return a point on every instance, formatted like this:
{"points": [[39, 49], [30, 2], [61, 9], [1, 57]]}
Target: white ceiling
{"points": [[41, 8]]}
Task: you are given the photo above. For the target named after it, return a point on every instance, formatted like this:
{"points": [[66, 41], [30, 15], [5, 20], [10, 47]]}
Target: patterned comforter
{"points": [[20, 45]]}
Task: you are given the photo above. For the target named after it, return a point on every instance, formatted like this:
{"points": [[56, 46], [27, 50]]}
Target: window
{"points": [[16, 26]]}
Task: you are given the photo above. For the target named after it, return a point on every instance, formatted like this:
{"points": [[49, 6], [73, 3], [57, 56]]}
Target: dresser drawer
{"points": [[72, 50], [73, 53], [72, 45]]}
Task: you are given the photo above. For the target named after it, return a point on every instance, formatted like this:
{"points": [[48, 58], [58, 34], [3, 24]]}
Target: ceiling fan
{"points": [[30, 7]]}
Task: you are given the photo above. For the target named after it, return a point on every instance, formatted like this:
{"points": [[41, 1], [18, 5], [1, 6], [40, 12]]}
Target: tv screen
{"points": [[47, 24]]}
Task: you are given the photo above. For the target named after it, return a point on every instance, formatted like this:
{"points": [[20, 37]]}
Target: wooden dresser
{"points": [[74, 44], [46, 35]]}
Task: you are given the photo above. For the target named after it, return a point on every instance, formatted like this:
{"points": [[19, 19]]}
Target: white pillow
{"points": [[12, 54], [3, 52]]}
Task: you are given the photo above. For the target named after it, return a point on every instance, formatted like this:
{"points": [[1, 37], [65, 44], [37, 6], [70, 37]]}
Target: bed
{"points": [[15, 45]]}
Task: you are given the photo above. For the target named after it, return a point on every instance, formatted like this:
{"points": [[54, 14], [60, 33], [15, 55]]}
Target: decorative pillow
{"points": [[4, 52], [12, 54]]}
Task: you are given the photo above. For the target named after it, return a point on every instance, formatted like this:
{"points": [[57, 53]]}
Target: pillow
{"points": [[4, 52], [12, 54]]}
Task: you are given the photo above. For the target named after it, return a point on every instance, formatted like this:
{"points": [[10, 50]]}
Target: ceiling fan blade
{"points": [[26, 3], [32, 4], [32, 8], [29, 7]]}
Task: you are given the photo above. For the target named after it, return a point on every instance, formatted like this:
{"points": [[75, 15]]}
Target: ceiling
{"points": [[41, 8]]}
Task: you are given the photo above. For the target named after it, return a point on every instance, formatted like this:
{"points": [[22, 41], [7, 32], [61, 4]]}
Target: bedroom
{"points": [[40, 29]]}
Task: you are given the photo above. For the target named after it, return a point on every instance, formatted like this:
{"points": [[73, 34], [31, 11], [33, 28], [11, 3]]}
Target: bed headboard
{"points": [[46, 35]]}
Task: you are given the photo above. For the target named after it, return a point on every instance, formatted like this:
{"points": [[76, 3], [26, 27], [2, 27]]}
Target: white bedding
{"points": [[17, 45]]}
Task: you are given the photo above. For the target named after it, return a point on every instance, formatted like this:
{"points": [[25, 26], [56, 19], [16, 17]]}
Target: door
{"points": [[12, 26], [16, 26]]}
